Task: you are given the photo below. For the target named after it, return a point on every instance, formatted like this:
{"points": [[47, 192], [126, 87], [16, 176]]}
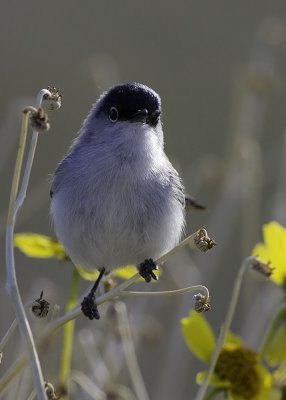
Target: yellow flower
{"points": [[273, 250], [238, 371]]}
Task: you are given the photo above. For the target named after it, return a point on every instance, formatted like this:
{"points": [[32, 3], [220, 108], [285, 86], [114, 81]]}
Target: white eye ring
{"points": [[113, 114]]}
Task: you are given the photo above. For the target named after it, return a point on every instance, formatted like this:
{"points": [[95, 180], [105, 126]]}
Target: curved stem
{"points": [[175, 292], [225, 326], [53, 326], [18, 167], [11, 330], [11, 279], [30, 158]]}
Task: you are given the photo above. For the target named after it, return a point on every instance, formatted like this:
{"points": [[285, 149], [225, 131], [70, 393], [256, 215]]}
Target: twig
{"points": [[14, 204], [175, 292], [129, 351], [26, 176], [226, 325], [53, 326], [11, 330], [88, 385]]}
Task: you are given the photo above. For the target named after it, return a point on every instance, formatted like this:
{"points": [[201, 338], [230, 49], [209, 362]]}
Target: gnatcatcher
{"points": [[116, 198]]}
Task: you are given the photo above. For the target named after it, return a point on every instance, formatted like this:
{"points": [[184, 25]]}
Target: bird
{"points": [[116, 199]]}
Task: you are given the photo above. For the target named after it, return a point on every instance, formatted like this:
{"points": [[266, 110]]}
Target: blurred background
{"points": [[219, 68]]}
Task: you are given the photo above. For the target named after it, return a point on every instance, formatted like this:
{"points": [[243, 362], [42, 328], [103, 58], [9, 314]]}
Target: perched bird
{"points": [[116, 198]]}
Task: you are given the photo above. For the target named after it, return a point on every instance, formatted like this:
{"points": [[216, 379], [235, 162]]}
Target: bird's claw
{"points": [[89, 308], [88, 305], [146, 269]]}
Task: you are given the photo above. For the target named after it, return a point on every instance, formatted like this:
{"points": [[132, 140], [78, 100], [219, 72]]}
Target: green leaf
{"points": [[39, 246], [274, 349], [198, 335]]}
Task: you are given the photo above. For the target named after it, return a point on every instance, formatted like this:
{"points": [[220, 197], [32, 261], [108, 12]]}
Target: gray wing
{"points": [[188, 202], [58, 174], [177, 186]]}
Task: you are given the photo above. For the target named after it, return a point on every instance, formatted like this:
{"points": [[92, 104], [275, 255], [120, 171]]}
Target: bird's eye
{"points": [[113, 114]]}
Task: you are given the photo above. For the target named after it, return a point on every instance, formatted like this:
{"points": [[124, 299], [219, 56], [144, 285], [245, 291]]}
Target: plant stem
{"points": [[65, 370], [175, 292], [18, 167], [11, 279], [272, 331], [130, 355], [53, 326], [213, 393], [225, 326], [11, 329]]}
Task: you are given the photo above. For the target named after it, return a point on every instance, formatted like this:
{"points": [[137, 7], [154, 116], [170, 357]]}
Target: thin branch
{"points": [[53, 326], [129, 351], [14, 204], [175, 292], [226, 325], [11, 330]]}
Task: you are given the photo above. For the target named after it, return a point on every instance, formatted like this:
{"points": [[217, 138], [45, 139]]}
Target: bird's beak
{"points": [[140, 116]]}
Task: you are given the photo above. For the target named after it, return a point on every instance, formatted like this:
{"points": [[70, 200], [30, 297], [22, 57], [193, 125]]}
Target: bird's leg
{"points": [[146, 269], [88, 306]]}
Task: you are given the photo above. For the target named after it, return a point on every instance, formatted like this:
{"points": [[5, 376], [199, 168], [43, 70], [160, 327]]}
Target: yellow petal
{"points": [[125, 272], [128, 271], [214, 381], [39, 246], [233, 339], [273, 250], [267, 391], [198, 335], [88, 275], [274, 236], [262, 252]]}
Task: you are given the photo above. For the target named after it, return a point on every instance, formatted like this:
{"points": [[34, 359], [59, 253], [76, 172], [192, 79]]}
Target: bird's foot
{"points": [[88, 305], [146, 269]]}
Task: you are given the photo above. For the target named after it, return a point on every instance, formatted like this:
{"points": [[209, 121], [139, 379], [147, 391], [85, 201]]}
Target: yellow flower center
{"points": [[239, 366]]}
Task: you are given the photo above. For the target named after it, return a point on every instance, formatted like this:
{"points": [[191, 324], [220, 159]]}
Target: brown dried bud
{"points": [[203, 241], [40, 307], [202, 303], [50, 392], [39, 120], [262, 268], [54, 100]]}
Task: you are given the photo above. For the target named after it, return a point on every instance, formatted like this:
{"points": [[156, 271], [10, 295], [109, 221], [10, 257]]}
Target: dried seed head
{"points": [[203, 241], [53, 101], [262, 268], [40, 307], [202, 303], [1, 355], [50, 392], [39, 120]]}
